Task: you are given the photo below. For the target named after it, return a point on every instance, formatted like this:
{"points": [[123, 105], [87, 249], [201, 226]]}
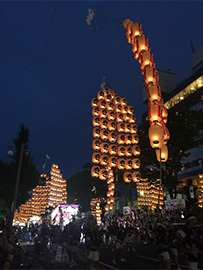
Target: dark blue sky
{"points": [[52, 65]]}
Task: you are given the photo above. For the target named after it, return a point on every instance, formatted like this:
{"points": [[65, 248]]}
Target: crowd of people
{"points": [[173, 232]]}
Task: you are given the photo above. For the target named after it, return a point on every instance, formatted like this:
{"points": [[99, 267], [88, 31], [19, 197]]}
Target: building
{"points": [[49, 193]]}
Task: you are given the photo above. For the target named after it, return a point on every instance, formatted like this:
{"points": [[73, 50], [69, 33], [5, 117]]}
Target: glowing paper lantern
{"points": [[100, 95], [128, 138], [130, 109], [154, 94], [119, 117], [95, 111], [156, 136], [104, 160], [104, 134], [121, 127], [121, 150], [136, 30], [128, 164], [110, 180], [112, 136], [111, 115], [166, 134], [111, 125], [110, 106], [127, 127], [118, 108], [95, 171], [96, 158], [135, 139], [136, 177], [96, 121], [96, 132], [112, 161], [121, 164], [136, 163], [102, 104], [128, 151], [103, 174], [104, 147], [127, 177], [113, 149], [162, 153], [103, 124], [123, 101], [143, 44], [136, 150], [155, 113], [94, 102], [151, 76], [116, 100], [121, 139], [103, 113], [96, 144], [134, 128]]}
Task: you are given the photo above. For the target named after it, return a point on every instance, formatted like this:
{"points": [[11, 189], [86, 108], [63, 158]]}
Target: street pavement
{"points": [[144, 257]]}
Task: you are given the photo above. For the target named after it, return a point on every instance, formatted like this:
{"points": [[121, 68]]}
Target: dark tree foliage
{"points": [[80, 186], [185, 129], [29, 175]]}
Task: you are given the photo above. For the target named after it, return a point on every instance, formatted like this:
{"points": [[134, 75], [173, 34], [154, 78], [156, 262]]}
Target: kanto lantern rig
{"points": [[115, 141]]}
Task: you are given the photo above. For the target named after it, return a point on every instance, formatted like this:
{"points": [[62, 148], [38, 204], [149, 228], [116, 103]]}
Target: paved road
{"points": [[144, 257]]}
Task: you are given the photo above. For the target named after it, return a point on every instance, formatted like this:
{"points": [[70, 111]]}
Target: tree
{"points": [[185, 129], [80, 188], [29, 176]]}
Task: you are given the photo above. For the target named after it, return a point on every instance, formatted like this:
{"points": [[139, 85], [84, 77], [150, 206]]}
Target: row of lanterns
{"points": [[158, 132], [115, 141]]}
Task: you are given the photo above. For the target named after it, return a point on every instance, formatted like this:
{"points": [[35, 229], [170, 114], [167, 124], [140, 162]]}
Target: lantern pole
{"points": [[160, 176]]}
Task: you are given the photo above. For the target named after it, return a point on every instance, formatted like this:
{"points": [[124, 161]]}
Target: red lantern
{"points": [[166, 134], [96, 132], [154, 94], [111, 125], [146, 59], [113, 149], [96, 121], [136, 177], [143, 44], [135, 49], [136, 150], [121, 164], [104, 134], [164, 114], [136, 30], [96, 144], [121, 139], [136, 163], [151, 76], [96, 158], [121, 150], [127, 177], [155, 113], [104, 147], [112, 136], [95, 171], [94, 102]]}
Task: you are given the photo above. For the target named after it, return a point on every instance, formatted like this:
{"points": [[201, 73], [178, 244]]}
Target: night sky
{"points": [[52, 65]]}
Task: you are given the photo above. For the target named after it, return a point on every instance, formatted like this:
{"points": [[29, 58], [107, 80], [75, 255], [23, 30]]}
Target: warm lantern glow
{"points": [[96, 132], [136, 163], [154, 94], [104, 147], [121, 164], [103, 174], [121, 150], [96, 157], [96, 144], [127, 177], [156, 136], [162, 153], [151, 76], [112, 149], [155, 113]]}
